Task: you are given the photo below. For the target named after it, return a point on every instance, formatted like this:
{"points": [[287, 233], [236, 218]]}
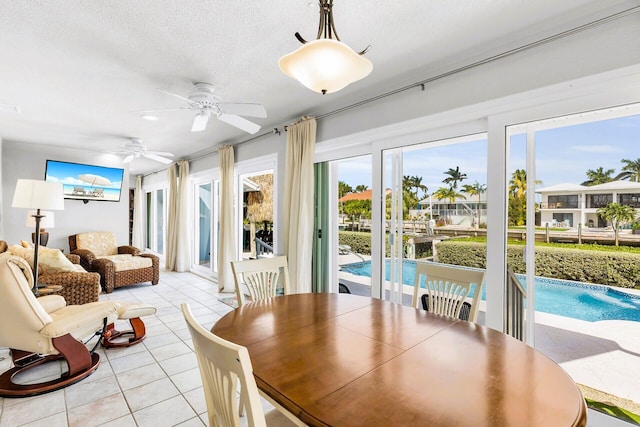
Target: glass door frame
{"points": [[196, 180], [257, 166], [152, 238]]}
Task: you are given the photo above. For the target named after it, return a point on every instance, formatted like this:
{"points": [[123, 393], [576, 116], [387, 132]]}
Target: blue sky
{"points": [[562, 155], [69, 173]]}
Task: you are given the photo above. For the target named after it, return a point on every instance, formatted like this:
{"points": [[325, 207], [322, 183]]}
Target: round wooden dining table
{"points": [[345, 360]]}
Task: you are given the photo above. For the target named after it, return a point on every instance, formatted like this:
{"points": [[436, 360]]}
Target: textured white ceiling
{"points": [[78, 69]]}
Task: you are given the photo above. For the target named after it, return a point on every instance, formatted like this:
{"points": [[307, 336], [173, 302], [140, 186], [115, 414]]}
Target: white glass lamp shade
{"points": [[47, 220], [325, 65], [35, 194]]}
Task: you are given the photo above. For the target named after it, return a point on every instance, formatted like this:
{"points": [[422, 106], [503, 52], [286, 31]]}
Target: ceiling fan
{"points": [[135, 149], [206, 103]]}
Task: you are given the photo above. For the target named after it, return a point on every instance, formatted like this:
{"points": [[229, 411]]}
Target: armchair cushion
{"points": [[49, 260], [124, 262], [51, 303], [101, 243]]}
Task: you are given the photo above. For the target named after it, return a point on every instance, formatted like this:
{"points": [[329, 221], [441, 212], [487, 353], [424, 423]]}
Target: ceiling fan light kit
{"points": [[206, 103], [326, 64], [134, 149]]}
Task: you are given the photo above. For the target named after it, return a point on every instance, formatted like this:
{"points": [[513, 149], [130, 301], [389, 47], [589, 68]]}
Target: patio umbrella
{"points": [[92, 180]]}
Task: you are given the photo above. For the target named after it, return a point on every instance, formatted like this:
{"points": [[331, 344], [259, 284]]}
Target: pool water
{"points": [[578, 300]]}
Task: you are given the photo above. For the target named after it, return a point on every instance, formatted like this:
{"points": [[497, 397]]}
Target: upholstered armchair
{"points": [[78, 285], [117, 265], [39, 330]]}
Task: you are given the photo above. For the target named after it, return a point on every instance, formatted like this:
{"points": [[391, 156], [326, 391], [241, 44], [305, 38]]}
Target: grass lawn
{"points": [[623, 409]]}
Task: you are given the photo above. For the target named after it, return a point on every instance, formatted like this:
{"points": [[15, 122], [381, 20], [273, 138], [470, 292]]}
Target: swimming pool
{"points": [[578, 300]]}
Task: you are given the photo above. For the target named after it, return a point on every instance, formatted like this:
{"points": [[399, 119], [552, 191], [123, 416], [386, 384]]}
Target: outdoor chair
{"points": [[261, 277], [447, 289]]}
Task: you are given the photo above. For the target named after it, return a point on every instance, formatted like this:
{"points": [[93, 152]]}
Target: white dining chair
{"points": [[447, 288], [223, 366], [261, 277]]}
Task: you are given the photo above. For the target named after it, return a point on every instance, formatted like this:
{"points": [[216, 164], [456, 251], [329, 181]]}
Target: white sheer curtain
{"points": [[298, 202], [178, 256], [227, 245], [137, 235]]}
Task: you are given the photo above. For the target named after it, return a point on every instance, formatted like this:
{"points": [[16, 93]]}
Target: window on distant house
{"points": [[599, 200], [632, 200], [563, 202]]}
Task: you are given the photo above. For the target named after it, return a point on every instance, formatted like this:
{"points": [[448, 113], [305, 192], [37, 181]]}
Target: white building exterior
{"points": [[572, 204]]}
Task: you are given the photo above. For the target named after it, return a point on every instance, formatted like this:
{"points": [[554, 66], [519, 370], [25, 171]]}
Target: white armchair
{"points": [[39, 330]]}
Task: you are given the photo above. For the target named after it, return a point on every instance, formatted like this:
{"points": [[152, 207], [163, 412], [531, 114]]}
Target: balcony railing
{"points": [[558, 205]]}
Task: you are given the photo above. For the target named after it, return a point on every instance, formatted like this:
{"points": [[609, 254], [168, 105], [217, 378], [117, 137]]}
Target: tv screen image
{"points": [[86, 182]]}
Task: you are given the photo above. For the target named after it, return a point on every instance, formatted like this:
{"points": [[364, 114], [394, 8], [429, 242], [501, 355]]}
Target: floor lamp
{"points": [[34, 194]]}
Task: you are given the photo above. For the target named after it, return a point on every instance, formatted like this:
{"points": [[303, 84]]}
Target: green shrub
{"points": [[606, 268], [360, 242]]}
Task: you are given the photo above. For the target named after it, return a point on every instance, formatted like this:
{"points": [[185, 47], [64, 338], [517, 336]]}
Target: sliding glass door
{"points": [[156, 220], [257, 196], [574, 203], [205, 224], [434, 209]]}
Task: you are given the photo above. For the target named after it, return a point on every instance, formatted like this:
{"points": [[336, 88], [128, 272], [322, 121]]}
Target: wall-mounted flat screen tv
{"points": [[86, 182]]}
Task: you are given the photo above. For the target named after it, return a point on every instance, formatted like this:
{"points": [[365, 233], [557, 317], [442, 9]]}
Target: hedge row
{"points": [[606, 268], [360, 242]]}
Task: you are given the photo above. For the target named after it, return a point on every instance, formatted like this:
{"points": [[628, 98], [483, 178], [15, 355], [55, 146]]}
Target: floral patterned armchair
{"points": [[117, 265]]}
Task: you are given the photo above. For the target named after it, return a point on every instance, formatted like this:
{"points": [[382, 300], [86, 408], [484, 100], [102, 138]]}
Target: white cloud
{"points": [[71, 181], [596, 148]]}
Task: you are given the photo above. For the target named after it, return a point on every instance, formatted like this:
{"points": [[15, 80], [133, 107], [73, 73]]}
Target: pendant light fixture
{"points": [[325, 65]]}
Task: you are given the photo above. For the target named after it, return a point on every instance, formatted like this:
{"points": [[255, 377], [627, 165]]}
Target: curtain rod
{"points": [[422, 83]]}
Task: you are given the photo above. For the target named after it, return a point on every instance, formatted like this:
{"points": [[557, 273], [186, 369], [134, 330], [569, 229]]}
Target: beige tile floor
{"points": [[155, 383]]}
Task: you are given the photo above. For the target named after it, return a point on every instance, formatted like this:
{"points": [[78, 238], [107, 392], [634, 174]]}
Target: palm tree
{"points": [[343, 188], [416, 182], [617, 214], [475, 189], [447, 193], [360, 188], [455, 176], [630, 170], [598, 176], [518, 183]]}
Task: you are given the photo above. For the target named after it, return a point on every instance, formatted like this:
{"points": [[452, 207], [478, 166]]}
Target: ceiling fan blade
{"points": [[128, 158], [200, 121], [251, 110], [157, 158], [240, 123], [160, 153], [187, 100]]}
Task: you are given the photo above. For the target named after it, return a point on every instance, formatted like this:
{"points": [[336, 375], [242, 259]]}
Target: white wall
{"points": [[28, 161]]}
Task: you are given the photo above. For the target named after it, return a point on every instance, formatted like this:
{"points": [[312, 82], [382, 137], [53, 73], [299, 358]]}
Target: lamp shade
{"points": [[47, 220], [325, 65], [35, 194]]}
